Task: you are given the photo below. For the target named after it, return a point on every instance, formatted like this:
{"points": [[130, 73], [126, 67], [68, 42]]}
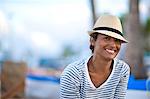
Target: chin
{"points": [[110, 57]]}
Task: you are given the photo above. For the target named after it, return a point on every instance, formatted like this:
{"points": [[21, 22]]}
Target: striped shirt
{"points": [[75, 82]]}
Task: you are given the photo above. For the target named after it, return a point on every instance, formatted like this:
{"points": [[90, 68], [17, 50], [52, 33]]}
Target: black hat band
{"points": [[109, 29]]}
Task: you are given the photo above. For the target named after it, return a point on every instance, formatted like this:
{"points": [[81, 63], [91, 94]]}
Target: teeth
{"points": [[110, 51]]}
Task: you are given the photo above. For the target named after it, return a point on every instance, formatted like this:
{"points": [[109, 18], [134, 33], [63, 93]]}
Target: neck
{"points": [[99, 65]]}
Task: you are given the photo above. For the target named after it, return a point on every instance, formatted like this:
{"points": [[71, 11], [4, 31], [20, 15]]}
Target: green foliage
{"points": [[146, 30], [147, 27], [68, 51], [123, 19]]}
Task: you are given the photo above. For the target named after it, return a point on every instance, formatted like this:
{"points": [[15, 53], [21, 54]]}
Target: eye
{"points": [[107, 38], [118, 41]]}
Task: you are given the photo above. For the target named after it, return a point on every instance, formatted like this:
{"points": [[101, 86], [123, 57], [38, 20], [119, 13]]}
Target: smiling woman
{"points": [[101, 75]]}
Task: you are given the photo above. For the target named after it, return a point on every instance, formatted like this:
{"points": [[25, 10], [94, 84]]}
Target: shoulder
{"points": [[72, 73], [74, 68], [123, 66]]}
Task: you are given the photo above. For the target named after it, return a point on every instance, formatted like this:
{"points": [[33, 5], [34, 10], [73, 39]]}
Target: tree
{"points": [[135, 47], [92, 6]]}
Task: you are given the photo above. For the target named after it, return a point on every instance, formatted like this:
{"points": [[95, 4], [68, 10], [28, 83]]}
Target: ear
{"points": [[92, 41]]}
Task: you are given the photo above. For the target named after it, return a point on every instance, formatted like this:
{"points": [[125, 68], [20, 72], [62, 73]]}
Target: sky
{"points": [[44, 27]]}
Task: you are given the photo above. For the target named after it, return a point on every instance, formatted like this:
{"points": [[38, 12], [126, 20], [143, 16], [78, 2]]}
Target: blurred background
{"points": [[39, 38]]}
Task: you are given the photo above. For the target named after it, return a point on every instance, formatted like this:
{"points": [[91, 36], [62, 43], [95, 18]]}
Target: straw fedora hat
{"points": [[109, 25]]}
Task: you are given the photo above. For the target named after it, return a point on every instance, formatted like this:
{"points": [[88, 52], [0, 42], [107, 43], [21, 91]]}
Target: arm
{"points": [[122, 86], [69, 84]]}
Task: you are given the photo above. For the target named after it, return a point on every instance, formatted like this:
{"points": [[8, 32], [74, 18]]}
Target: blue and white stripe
{"points": [[75, 82]]}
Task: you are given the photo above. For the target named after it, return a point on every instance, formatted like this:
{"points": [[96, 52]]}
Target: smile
{"points": [[110, 51]]}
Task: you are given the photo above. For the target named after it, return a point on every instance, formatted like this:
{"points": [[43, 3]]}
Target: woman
{"points": [[101, 76]]}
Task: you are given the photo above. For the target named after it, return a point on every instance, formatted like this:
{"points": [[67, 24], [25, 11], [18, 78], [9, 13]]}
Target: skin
{"points": [[105, 50]]}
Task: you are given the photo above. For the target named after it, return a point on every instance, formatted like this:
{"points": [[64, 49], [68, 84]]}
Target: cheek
{"points": [[99, 46], [118, 47]]}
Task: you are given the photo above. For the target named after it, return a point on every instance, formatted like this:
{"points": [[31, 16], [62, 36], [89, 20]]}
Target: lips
{"points": [[110, 51]]}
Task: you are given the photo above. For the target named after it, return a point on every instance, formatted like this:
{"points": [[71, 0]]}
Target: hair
{"points": [[94, 37]]}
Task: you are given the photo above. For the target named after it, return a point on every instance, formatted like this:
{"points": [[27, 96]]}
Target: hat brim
{"points": [[109, 33]]}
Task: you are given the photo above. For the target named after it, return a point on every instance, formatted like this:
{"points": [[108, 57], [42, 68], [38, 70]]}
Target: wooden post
{"points": [[13, 80]]}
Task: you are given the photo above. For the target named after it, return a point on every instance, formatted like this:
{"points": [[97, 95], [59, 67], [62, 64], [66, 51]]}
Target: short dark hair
{"points": [[94, 36]]}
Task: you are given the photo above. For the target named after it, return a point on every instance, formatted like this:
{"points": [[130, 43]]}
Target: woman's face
{"points": [[106, 47]]}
